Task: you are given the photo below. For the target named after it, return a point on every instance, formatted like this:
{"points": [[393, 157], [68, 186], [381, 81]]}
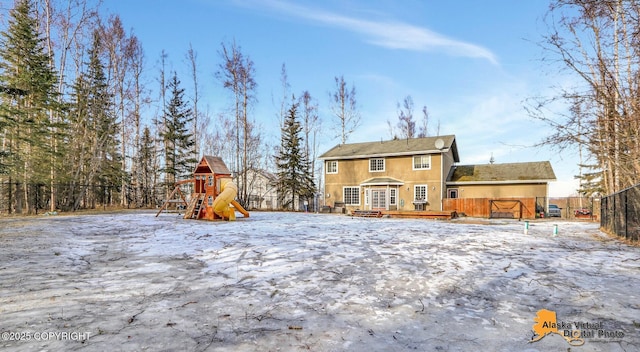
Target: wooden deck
{"points": [[425, 214], [367, 213]]}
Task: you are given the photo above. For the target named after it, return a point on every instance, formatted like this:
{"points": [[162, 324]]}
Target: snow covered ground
{"points": [[293, 281]]}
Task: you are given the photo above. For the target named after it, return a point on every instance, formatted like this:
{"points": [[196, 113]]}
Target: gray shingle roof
{"points": [[216, 165], [426, 145], [539, 171]]}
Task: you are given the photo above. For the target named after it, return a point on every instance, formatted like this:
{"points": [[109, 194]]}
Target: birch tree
{"points": [[237, 74], [344, 109], [67, 25], [596, 42], [192, 57], [406, 123], [310, 129]]}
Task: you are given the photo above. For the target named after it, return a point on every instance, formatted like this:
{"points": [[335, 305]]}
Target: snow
{"points": [[321, 282]]}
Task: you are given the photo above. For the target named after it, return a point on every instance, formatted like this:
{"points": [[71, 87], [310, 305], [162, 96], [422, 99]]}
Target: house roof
{"points": [[396, 147], [382, 181], [215, 164], [262, 173], [536, 172]]}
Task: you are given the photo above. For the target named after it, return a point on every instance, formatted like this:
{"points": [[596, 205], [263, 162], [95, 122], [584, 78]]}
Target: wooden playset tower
{"points": [[213, 195], [208, 184]]}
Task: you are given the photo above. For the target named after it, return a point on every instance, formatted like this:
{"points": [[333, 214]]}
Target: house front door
{"points": [[379, 199]]}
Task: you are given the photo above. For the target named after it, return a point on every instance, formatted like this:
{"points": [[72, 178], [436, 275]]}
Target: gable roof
{"points": [[215, 164], [382, 181], [396, 147], [536, 172]]}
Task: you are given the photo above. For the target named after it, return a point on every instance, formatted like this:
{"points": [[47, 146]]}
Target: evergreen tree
{"points": [[146, 162], [95, 157], [294, 178], [177, 135], [28, 97]]}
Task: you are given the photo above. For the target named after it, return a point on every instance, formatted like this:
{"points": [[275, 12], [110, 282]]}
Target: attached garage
{"points": [[515, 190]]}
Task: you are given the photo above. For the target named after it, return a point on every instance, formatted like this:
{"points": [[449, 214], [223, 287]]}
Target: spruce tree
{"points": [[28, 95], [294, 178], [177, 135], [146, 159], [95, 156]]}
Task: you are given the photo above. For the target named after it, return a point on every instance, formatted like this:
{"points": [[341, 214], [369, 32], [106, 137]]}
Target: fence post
{"points": [[626, 215]]}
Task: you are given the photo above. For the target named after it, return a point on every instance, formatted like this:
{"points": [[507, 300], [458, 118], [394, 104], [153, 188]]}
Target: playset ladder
{"points": [[194, 207]]}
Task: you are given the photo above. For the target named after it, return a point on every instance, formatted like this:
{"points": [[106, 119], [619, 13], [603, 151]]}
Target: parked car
{"points": [[554, 211]]}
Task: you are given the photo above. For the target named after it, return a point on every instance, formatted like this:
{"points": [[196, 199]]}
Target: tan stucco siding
{"points": [[354, 172], [501, 190]]}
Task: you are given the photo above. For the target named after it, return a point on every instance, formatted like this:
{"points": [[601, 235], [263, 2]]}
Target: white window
{"points": [[210, 201], [332, 167], [392, 196], [376, 165], [422, 162], [351, 195], [420, 192], [366, 196], [210, 181]]}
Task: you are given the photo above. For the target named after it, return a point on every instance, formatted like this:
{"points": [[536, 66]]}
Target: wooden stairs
{"points": [[368, 213], [194, 206]]}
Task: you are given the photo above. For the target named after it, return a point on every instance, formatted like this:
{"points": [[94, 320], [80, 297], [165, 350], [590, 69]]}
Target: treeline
{"points": [[71, 112], [596, 42], [76, 129]]}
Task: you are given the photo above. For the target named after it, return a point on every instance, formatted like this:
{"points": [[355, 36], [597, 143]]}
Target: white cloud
{"points": [[387, 34]]}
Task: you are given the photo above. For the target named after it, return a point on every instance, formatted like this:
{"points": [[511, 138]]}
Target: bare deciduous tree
{"points": [[192, 57], [406, 124], [597, 42], [344, 109], [310, 129], [237, 74]]}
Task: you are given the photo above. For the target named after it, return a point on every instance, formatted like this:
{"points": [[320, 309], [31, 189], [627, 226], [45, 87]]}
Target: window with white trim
{"points": [[420, 192], [366, 196], [422, 162], [392, 196], [332, 167], [210, 180], [210, 201], [351, 195], [376, 165]]}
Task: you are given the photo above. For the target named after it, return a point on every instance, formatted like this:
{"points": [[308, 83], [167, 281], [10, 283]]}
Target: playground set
{"points": [[214, 193]]}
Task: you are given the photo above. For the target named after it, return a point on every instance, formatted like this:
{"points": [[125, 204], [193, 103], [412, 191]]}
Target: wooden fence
{"points": [[517, 208]]}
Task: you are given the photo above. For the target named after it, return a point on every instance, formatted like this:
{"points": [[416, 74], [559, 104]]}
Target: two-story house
{"points": [[402, 174], [261, 189]]}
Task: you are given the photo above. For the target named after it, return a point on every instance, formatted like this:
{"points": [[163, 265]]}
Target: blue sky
{"points": [[472, 63]]}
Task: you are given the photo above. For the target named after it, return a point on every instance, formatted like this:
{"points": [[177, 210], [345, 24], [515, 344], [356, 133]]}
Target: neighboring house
{"points": [[511, 180], [419, 173], [403, 174], [261, 188]]}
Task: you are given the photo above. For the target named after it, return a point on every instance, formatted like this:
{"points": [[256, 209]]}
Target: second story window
{"points": [[332, 167], [376, 165], [422, 162]]}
